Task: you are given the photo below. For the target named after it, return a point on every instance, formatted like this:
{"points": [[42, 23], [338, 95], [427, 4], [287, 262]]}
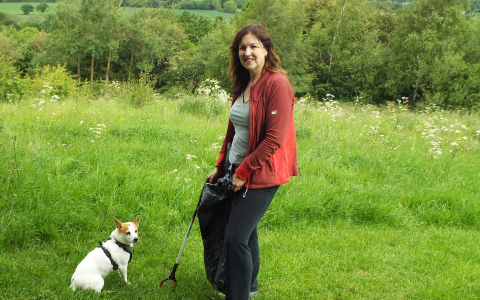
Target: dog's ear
{"points": [[117, 223], [136, 221]]}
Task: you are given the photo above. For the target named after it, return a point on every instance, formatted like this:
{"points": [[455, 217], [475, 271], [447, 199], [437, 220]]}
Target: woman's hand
{"points": [[237, 183], [213, 177]]}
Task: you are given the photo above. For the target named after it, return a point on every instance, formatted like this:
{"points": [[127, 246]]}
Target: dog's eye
{"points": [[128, 232], [136, 231]]}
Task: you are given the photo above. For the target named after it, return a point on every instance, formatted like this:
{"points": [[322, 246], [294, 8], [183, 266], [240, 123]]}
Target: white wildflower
{"points": [[190, 156]]}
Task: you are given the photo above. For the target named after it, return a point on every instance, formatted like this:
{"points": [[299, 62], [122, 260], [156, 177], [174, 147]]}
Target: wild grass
{"points": [[385, 206]]}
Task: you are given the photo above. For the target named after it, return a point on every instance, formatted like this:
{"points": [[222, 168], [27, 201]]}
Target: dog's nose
{"points": [[135, 240]]}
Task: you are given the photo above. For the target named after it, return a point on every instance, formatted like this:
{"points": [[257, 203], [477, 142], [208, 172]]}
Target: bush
{"points": [[139, 91], [230, 7], [12, 85], [53, 82]]}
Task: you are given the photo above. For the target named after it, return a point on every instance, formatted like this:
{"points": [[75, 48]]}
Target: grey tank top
{"points": [[240, 117]]}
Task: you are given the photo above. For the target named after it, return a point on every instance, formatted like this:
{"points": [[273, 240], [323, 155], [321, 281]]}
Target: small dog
{"points": [[114, 253]]}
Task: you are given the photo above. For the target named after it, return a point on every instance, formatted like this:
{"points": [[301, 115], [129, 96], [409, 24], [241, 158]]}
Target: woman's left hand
{"points": [[237, 183]]}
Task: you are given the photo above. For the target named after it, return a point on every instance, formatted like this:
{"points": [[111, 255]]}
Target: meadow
{"points": [[386, 205], [14, 8]]}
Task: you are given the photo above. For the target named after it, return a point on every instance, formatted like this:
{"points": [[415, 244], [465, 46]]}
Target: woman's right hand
{"points": [[213, 177]]}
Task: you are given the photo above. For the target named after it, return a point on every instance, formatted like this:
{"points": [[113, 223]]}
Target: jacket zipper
{"points": [[252, 126]]}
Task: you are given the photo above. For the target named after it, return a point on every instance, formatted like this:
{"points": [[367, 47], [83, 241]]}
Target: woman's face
{"points": [[252, 53]]}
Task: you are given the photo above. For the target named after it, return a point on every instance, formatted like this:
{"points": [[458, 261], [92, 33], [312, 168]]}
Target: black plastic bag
{"points": [[216, 202]]}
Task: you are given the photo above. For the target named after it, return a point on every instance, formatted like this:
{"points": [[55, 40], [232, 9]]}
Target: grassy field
{"points": [[15, 9], [386, 205]]}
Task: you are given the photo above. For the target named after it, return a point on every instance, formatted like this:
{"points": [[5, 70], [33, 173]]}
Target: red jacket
{"points": [[272, 150]]}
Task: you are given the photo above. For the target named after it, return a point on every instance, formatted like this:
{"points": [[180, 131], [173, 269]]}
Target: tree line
{"points": [[427, 51]]}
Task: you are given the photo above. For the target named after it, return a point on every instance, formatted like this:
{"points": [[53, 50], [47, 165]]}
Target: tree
{"points": [[152, 41], [284, 21], [27, 8], [195, 26], [42, 7], [230, 7], [66, 42], [419, 43]]}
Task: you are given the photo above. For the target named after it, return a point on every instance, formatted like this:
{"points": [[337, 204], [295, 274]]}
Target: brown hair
{"points": [[239, 75]]}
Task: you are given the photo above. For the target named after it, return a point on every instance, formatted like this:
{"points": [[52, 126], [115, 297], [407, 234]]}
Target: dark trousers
{"points": [[242, 256]]}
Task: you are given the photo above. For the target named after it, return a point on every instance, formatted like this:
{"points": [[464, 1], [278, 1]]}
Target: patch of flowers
{"points": [[211, 89], [97, 130], [332, 106]]}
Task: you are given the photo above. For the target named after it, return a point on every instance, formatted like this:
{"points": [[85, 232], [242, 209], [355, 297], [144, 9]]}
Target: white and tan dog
{"points": [[116, 252]]}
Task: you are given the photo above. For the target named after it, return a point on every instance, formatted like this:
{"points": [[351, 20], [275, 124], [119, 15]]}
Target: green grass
{"points": [[208, 13], [377, 211], [15, 8]]}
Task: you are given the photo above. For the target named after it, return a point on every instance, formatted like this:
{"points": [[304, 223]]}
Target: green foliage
{"points": [[195, 26], [139, 92], [53, 82], [12, 86], [418, 43], [27, 8], [357, 49], [216, 56], [10, 49], [454, 83], [42, 7], [230, 7], [284, 21]]}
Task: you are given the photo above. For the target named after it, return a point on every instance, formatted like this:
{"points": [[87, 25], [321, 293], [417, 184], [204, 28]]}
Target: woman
{"points": [[261, 147]]}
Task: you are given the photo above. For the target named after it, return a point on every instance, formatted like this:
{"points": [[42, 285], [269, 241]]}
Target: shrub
{"points": [[139, 91], [53, 82], [230, 7], [12, 86]]}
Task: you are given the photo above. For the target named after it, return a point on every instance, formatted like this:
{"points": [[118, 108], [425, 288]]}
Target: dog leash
{"points": [[125, 247]]}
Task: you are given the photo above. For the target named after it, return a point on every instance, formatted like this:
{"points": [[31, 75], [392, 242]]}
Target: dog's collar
{"points": [[125, 247]]}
